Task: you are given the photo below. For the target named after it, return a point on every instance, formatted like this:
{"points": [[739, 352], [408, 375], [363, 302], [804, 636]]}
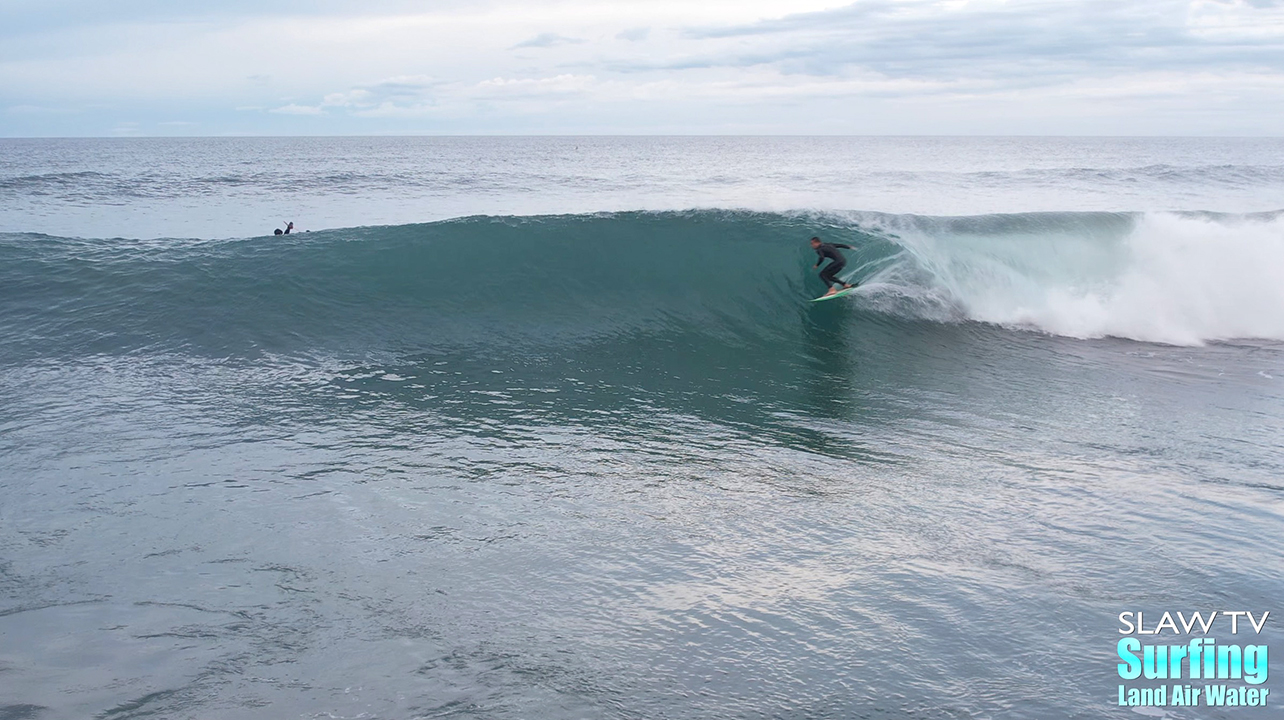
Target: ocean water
{"points": [[546, 427]]}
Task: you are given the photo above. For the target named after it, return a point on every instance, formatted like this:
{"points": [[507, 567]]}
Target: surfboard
{"points": [[840, 293]]}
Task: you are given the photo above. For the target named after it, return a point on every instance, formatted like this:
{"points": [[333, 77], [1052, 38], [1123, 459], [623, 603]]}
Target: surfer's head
{"points": [[815, 242]]}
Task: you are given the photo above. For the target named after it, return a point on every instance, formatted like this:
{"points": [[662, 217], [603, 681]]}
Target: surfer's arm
{"points": [[845, 247]]}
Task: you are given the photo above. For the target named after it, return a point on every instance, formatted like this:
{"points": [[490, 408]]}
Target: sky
{"points": [[873, 67]]}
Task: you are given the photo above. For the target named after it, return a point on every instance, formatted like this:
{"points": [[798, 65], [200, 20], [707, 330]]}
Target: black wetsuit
{"points": [[837, 262]]}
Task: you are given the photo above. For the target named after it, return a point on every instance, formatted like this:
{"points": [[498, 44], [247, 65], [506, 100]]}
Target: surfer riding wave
{"points": [[829, 275]]}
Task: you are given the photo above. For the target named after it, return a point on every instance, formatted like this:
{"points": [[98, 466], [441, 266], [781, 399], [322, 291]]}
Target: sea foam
{"points": [[1182, 279]]}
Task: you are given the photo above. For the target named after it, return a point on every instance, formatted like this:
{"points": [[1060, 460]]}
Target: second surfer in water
{"points": [[836, 264]]}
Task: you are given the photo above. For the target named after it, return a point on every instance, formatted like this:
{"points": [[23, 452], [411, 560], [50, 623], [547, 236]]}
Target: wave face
{"points": [[546, 281]]}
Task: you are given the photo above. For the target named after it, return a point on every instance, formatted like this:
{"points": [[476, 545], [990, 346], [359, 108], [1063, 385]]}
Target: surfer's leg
{"points": [[828, 273]]}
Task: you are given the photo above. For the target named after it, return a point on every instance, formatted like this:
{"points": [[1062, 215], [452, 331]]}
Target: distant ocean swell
{"points": [[114, 187], [547, 281]]}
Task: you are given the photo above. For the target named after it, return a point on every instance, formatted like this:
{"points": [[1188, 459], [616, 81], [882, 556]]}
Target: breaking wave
{"points": [[1178, 278]]}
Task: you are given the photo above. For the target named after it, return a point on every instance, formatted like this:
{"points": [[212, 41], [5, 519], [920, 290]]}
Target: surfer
{"points": [[836, 264]]}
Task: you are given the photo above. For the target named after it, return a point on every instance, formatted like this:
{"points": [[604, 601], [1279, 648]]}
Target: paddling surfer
{"points": [[836, 264]]}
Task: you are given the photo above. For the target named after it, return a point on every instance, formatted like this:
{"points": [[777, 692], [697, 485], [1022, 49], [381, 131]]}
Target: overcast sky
{"points": [[331, 67]]}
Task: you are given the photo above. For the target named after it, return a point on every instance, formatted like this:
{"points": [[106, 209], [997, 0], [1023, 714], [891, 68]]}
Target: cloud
{"points": [[634, 63], [863, 9], [293, 109], [28, 16], [548, 39], [126, 129], [34, 110], [1022, 39], [634, 34], [566, 83], [424, 97], [398, 96]]}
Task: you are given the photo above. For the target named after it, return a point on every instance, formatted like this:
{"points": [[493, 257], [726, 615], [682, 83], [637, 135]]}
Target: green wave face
{"points": [[542, 283], [472, 282]]}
